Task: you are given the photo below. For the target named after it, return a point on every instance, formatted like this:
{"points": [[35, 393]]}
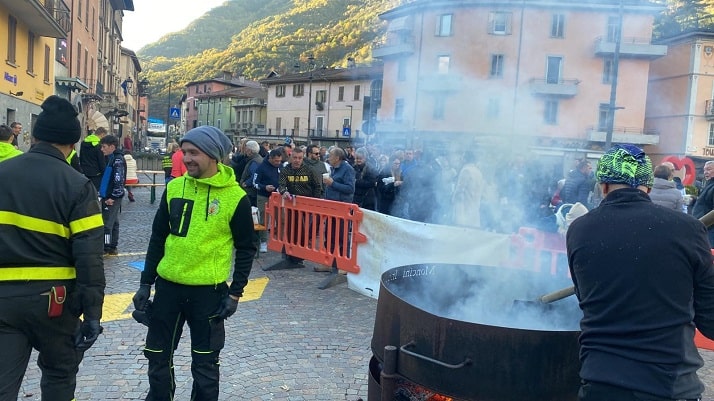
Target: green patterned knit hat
{"points": [[625, 164]]}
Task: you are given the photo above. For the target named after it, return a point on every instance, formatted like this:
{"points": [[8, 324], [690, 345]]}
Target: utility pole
{"points": [[168, 113], [613, 84], [310, 64]]}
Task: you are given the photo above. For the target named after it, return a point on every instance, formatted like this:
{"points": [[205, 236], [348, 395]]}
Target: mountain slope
{"points": [[214, 29], [331, 30]]}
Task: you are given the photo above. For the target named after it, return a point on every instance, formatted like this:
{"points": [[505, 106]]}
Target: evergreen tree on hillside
{"points": [[684, 15]]}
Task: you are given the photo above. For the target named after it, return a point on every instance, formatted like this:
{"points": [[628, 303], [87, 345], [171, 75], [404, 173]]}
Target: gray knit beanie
{"points": [[211, 140]]}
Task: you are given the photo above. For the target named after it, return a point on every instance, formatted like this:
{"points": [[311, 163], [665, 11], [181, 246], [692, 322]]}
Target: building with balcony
{"points": [[324, 105], [201, 107], [239, 112], [680, 98], [110, 76], [30, 29], [531, 76]]}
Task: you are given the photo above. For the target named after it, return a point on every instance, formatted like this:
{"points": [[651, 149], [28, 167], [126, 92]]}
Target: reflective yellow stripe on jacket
{"points": [[37, 273], [50, 227]]}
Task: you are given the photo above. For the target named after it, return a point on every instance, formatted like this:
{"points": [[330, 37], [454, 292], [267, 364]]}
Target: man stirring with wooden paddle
{"points": [[644, 278]]}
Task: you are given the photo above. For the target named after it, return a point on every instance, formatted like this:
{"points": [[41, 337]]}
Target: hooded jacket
{"points": [[7, 151], [199, 222], [90, 157]]}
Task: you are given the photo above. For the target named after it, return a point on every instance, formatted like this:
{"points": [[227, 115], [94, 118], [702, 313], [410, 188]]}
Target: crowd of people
{"points": [[637, 331]]}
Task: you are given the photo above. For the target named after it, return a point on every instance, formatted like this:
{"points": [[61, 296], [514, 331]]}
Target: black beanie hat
{"points": [[57, 123]]}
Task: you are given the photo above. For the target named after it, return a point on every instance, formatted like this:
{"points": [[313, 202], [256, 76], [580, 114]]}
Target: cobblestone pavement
{"points": [[290, 342]]}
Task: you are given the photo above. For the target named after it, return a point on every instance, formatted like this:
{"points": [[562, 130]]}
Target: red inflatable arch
{"points": [[690, 172]]}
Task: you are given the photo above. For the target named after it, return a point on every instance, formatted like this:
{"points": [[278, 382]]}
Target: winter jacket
{"points": [[705, 200], [365, 186], [131, 177], [199, 223], [114, 178], [320, 168], [300, 181], [8, 151], [643, 276], [90, 156], [343, 185], [247, 176], [665, 193], [177, 167], [64, 241], [577, 188], [266, 174]]}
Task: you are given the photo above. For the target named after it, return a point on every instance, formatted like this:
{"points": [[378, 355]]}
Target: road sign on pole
{"points": [[346, 131], [175, 113]]}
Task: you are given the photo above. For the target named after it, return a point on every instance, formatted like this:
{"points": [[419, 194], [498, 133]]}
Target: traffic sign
{"points": [[175, 113], [346, 131], [368, 127]]}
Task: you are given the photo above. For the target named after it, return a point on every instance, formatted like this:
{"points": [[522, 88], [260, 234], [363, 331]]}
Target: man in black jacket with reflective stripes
{"points": [[51, 268]]}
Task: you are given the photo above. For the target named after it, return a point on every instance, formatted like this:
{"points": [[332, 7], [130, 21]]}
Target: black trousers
{"points": [[590, 391], [173, 305], [24, 325]]}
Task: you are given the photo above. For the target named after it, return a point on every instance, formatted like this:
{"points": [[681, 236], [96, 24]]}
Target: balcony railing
{"points": [[50, 18], [561, 88], [630, 47], [637, 136], [394, 46]]}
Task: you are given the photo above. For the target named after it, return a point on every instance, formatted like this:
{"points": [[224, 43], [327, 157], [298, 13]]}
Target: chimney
{"points": [[351, 62]]}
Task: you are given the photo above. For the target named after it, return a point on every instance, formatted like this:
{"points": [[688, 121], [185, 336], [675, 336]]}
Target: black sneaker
{"points": [[111, 252]]}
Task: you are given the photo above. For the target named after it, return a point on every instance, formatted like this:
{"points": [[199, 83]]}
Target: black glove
{"points": [[143, 316], [141, 298], [89, 331], [228, 308]]}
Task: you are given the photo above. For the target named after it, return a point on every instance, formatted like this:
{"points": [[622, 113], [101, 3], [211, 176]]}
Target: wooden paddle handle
{"points": [[557, 295], [708, 219]]}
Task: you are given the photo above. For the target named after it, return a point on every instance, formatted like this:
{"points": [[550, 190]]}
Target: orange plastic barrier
{"points": [[318, 230], [530, 247]]}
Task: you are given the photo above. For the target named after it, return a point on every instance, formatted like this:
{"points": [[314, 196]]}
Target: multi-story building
{"points": [[239, 112], [130, 89], [28, 73], [66, 47], [201, 106], [80, 46], [531, 75], [680, 99], [109, 83], [324, 105]]}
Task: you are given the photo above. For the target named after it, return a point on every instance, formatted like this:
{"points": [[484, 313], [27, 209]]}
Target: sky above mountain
{"points": [[155, 18]]}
